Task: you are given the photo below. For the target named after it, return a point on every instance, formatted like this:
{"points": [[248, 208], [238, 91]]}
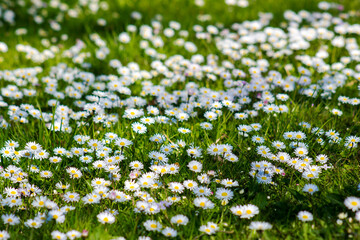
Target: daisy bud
{"points": [[85, 233]]}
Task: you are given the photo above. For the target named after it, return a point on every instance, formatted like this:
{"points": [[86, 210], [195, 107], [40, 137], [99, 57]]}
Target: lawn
{"points": [[184, 119]]}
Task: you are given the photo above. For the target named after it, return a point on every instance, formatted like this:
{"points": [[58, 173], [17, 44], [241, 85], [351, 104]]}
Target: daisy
{"points": [[55, 159], [72, 234], [121, 197], [33, 223], [181, 143], [106, 217], [176, 187], [244, 128], [179, 220], [256, 126], [213, 226], [94, 144], [257, 139], [96, 164], [283, 156], [210, 115], [309, 175], [241, 116], [11, 192], [352, 203], [336, 112], [80, 139], [229, 183], [301, 152], [238, 210], [166, 149], [310, 188], [261, 177], [10, 219], [41, 155], [195, 166], [184, 130], [40, 201], [145, 182], [260, 226], [322, 158], [58, 215], [161, 157], [122, 142], [57, 235], [226, 148], [147, 120], [59, 151], [206, 229], [305, 216], [288, 135], [224, 194], [249, 211], [139, 128], [352, 139], [190, 184], [202, 191], [231, 157], [152, 209], [214, 149], [194, 152], [182, 116], [131, 186], [140, 238], [4, 235], [169, 232], [206, 126], [282, 97], [158, 138], [91, 199], [7, 152], [332, 134], [71, 197], [12, 202], [204, 203], [152, 110], [13, 169], [136, 165], [263, 151], [357, 216], [152, 225], [46, 174], [173, 199], [33, 147]]}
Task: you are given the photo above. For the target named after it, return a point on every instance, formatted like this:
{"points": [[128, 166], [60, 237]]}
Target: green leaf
{"points": [[260, 200], [296, 194]]}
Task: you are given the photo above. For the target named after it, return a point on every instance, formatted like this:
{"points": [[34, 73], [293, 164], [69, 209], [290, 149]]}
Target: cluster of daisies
{"points": [[154, 139]]}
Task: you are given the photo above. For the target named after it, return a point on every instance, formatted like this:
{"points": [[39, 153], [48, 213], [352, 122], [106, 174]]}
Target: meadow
{"points": [[183, 119]]}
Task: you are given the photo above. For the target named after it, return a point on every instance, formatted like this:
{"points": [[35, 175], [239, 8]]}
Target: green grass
{"points": [[279, 204]]}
